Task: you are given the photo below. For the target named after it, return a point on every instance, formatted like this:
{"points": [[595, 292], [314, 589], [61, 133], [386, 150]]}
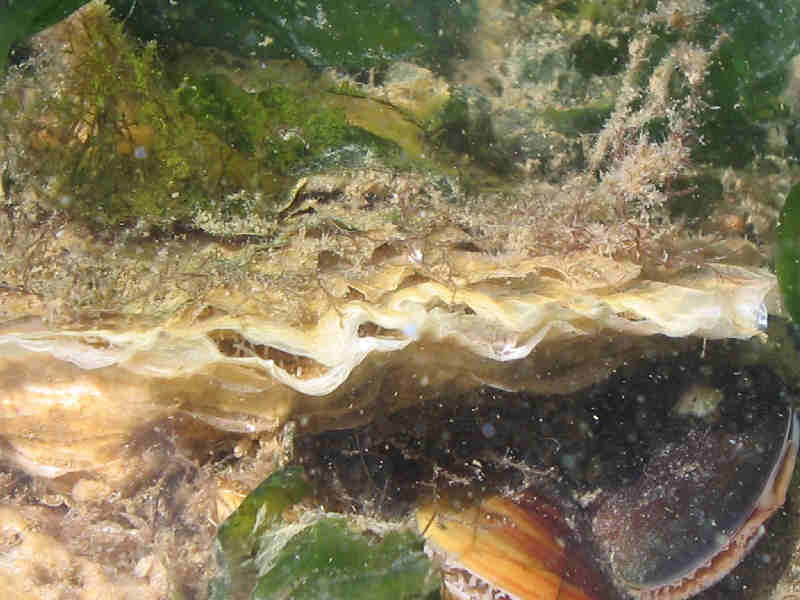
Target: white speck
{"points": [[762, 316], [411, 330], [415, 255]]}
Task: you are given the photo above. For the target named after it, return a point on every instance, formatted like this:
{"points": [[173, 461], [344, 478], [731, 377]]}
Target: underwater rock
{"points": [[37, 563]]}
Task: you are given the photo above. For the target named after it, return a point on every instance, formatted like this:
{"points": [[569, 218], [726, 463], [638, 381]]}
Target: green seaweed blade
{"points": [[263, 557], [20, 19], [350, 34], [787, 252], [238, 537], [330, 560]]}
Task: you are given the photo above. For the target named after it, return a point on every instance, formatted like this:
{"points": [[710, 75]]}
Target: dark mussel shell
{"points": [[698, 507]]}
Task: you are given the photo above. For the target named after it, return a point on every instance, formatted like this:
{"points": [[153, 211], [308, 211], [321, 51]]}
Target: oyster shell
{"points": [[248, 373]]}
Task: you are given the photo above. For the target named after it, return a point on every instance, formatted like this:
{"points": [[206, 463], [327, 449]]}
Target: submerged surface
{"points": [[508, 261]]}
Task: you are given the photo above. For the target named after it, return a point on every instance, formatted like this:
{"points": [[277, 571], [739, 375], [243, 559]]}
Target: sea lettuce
{"points": [[263, 556]]}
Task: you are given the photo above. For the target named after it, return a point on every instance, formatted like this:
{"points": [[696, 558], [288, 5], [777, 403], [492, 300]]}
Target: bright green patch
{"points": [[281, 127], [238, 537], [787, 253], [262, 557], [330, 560]]}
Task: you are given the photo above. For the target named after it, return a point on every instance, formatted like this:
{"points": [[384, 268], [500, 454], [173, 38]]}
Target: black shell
{"points": [[693, 498]]}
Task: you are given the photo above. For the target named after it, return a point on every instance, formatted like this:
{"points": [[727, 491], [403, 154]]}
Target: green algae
{"points": [[123, 141], [382, 121], [695, 197], [594, 56], [330, 560], [356, 34], [238, 537], [20, 19], [787, 252], [608, 12], [262, 556], [747, 78], [282, 127], [113, 140], [575, 121]]}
